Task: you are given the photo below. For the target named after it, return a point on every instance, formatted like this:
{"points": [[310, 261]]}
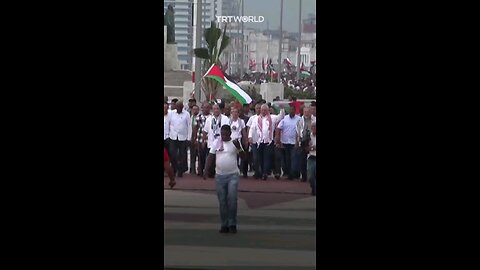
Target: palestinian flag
{"points": [[305, 74], [215, 73]]}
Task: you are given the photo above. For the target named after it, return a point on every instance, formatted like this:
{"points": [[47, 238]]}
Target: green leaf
{"points": [[212, 35], [201, 53], [225, 41]]}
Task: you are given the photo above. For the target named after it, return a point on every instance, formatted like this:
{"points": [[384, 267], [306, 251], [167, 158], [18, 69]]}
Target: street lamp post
{"points": [[280, 43], [243, 49], [198, 41], [299, 39]]}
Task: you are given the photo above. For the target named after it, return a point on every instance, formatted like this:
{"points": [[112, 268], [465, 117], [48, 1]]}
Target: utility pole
{"points": [[299, 39], [280, 44], [241, 60], [198, 44]]}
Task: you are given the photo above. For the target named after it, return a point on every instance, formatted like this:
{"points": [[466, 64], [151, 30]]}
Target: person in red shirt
{"points": [[168, 168], [296, 104]]}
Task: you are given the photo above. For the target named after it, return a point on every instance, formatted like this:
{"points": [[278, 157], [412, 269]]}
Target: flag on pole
{"points": [[288, 61], [274, 75], [302, 67], [252, 64], [215, 73], [305, 74], [263, 64]]}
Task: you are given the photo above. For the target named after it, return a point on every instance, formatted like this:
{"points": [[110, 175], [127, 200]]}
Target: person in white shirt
{"points": [[286, 139], [238, 131], [198, 139], [304, 128], [252, 149], [261, 135], [173, 106], [191, 144], [180, 131], [253, 117], [166, 126], [224, 151], [238, 126], [211, 130], [312, 160]]}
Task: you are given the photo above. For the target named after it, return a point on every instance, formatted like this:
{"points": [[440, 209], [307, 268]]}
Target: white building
{"points": [[264, 46]]}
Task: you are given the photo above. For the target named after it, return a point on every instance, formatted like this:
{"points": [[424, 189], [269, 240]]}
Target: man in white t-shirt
{"points": [[224, 151], [211, 130]]}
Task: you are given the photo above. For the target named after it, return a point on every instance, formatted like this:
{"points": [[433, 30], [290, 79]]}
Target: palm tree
{"points": [[211, 55]]}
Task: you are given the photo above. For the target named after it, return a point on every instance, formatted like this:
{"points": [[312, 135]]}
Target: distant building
{"points": [[310, 24], [260, 45]]}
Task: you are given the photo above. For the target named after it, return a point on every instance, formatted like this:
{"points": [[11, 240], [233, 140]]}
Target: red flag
{"points": [[302, 67], [263, 64]]}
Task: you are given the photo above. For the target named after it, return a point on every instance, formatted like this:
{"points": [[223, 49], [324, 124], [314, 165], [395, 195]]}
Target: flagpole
{"points": [[299, 39], [280, 42], [241, 61], [198, 44]]}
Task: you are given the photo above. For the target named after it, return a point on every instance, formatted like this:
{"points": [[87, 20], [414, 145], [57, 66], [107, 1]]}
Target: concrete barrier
{"points": [[269, 91]]}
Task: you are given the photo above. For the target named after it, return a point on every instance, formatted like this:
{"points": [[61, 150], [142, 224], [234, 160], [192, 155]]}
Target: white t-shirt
{"points": [[212, 127], [226, 160], [166, 125], [237, 127], [252, 119]]}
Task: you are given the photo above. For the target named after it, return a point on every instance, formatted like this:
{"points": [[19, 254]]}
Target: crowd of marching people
{"points": [[273, 146]]}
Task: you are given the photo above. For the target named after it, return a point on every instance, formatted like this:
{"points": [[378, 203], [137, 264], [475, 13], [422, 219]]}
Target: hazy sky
{"points": [[270, 9]]}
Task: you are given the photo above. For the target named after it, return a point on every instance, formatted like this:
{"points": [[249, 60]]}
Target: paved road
{"points": [[276, 226]]}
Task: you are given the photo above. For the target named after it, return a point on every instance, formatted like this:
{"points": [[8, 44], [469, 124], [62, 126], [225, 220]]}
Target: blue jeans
{"points": [[227, 186], [312, 174], [296, 162]]}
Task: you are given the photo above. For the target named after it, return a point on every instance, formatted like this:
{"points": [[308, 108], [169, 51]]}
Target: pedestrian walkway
{"points": [[275, 235], [193, 182]]}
